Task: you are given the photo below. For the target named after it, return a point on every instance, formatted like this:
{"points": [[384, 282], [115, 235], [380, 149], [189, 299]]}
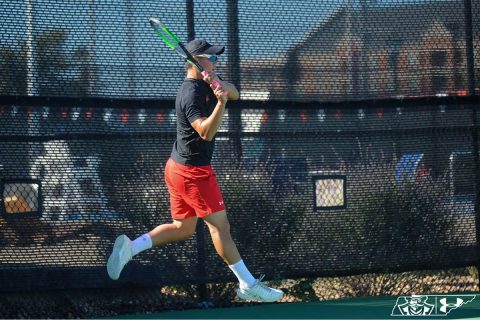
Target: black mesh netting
{"points": [[311, 190], [275, 49], [314, 192]]}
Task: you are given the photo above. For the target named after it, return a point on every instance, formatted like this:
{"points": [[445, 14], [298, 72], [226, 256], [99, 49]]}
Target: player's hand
{"points": [[210, 77], [221, 94]]}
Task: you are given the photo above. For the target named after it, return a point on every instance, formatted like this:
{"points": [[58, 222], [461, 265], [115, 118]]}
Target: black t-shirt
{"points": [[195, 100]]}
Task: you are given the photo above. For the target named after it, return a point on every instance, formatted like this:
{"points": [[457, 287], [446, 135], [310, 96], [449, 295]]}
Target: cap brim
{"points": [[215, 50]]}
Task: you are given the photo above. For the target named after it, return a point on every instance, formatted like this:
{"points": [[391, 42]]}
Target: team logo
{"points": [[429, 305]]}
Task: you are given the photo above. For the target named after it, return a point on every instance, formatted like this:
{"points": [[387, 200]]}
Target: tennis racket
{"points": [[174, 43]]}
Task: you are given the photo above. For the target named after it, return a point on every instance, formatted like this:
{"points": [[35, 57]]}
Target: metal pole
{"points": [[233, 43], [130, 53], [471, 92], [31, 65], [469, 47], [190, 19], [91, 48], [202, 290], [363, 48], [476, 164], [349, 50], [33, 124], [233, 51]]}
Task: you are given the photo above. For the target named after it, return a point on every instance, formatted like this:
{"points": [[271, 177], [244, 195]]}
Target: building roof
{"points": [[384, 26]]}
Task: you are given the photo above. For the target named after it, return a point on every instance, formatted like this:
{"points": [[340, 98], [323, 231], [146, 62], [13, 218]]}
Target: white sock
{"points": [[140, 244], [244, 276]]}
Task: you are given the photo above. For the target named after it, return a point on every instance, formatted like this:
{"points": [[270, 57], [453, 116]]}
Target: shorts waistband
{"points": [[183, 166]]}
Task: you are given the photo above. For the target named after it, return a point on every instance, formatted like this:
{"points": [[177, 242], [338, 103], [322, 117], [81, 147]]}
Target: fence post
{"points": [[233, 51], [476, 160], [471, 91], [130, 48], [190, 19], [201, 267], [202, 290], [470, 55]]}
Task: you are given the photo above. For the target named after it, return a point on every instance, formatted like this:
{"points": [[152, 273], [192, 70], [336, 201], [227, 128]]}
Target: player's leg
{"points": [[182, 227], [178, 230], [249, 288], [184, 218], [205, 196], [219, 228], [124, 249]]}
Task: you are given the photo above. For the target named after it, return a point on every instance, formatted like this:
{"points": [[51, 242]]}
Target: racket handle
{"points": [[215, 84]]}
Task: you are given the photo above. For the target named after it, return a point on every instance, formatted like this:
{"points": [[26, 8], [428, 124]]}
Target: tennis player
{"points": [[191, 181]]}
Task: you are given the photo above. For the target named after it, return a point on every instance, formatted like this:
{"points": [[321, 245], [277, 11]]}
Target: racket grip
{"points": [[215, 84]]}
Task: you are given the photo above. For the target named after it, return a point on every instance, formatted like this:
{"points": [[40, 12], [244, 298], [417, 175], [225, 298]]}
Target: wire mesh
{"points": [[75, 174], [333, 50]]}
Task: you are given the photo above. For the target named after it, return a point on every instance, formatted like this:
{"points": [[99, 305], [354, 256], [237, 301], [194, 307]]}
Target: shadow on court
{"points": [[359, 308]]}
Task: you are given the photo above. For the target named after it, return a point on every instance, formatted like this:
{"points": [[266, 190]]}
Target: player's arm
{"points": [[233, 93], [207, 127]]}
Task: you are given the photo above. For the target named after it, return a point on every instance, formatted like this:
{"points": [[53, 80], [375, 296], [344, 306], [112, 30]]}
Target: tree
{"points": [[60, 73]]}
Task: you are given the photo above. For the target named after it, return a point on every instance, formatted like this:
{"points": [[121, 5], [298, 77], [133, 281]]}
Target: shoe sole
{"points": [[246, 296], [114, 259]]}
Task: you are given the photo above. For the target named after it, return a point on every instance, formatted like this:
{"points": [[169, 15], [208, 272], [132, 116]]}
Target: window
{"points": [[438, 58], [439, 83], [412, 60], [330, 192], [21, 198]]}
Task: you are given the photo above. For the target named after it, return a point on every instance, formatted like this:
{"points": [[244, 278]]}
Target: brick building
{"points": [[371, 52]]}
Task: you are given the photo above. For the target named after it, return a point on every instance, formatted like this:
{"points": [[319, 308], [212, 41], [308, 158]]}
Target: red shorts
{"points": [[194, 190]]}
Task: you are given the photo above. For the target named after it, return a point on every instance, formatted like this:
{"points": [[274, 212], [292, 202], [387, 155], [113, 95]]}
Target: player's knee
{"points": [[186, 232], [222, 229], [226, 228], [189, 233]]}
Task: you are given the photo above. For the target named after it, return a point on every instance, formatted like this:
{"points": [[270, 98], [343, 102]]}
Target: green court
{"points": [[356, 308]]}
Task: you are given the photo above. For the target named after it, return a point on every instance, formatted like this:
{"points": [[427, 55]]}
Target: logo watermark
{"points": [[429, 305]]}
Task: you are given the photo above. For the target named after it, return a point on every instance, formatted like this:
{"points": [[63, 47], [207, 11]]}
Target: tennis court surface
{"points": [[357, 308]]}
